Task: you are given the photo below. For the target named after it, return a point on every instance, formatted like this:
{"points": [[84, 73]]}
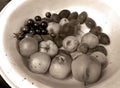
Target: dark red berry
{"points": [[43, 24], [44, 32], [38, 31], [25, 29], [32, 31], [37, 18], [48, 14], [36, 25], [30, 22]]}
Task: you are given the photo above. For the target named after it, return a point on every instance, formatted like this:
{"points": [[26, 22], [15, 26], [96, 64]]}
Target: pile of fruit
{"points": [[52, 45]]}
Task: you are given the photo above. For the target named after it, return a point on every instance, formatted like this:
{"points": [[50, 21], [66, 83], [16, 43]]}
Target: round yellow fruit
{"points": [[39, 62], [90, 39]]}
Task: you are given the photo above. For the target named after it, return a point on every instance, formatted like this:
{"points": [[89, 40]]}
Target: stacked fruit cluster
{"points": [[52, 44]]}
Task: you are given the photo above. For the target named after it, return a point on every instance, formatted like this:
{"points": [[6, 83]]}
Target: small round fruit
{"points": [[30, 22], [39, 62], [101, 58], [43, 24], [28, 46], [48, 14], [70, 43], [90, 39], [60, 66], [63, 21], [37, 18], [25, 29]]}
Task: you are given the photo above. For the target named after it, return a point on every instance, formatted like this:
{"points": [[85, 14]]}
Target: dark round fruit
{"points": [[83, 48], [82, 17], [55, 18], [96, 30], [25, 29], [48, 14], [36, 25], [43, 24], [38, 31], [104, 39], [30, 22], [32, 31], [37, 18], [73, 15], [44, 32], [90, 23], [64, 13]]}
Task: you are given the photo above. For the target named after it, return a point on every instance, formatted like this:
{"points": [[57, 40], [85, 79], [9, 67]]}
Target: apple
{"points": [[39, 62], [53, 27], [63, 21], [60, 66], [101, 58], [70, 43], [28, 46], [90, 39], [86, 69], [48, 47]]}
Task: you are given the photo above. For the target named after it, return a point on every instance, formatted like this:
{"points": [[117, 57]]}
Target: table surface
{"points": [[3, 84]]}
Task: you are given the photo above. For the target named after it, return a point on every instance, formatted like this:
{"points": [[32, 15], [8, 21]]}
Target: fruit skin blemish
{"points": [[55, 45]]}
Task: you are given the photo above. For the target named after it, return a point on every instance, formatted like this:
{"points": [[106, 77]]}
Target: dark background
{"points": [[3, 84]]}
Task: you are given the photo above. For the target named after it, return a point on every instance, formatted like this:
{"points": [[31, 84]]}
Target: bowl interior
{"points": [[100, 12]]}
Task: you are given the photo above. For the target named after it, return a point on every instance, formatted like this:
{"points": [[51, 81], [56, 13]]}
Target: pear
{"points": [[86, 69]]}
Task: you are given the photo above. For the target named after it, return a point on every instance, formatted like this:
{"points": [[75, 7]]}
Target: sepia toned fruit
{"points": [[39, 62]]}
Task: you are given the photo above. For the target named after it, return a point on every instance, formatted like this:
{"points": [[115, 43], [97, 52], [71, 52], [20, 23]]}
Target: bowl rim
{"points": [[8, 9]]}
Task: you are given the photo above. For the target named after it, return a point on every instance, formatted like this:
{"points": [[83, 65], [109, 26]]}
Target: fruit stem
{"points": [[61, 60]]}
